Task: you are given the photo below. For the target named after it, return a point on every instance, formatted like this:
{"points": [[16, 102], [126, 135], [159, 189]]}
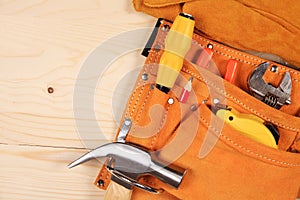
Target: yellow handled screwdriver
{"points": [[177, 44]]}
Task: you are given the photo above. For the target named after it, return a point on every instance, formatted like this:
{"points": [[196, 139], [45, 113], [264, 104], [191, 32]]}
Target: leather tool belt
{"points": [[221, 162]]}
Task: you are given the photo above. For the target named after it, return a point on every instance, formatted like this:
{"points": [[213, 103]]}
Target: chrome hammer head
{"points": [[273, 96], [133, 160], [119, 152]]}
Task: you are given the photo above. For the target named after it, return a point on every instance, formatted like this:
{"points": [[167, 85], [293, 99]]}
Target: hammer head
{"points": [[128, 158], [134, 161]]}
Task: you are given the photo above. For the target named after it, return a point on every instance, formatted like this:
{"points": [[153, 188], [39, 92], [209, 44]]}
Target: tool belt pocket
{"points": [[221, 160], [238, 167]]}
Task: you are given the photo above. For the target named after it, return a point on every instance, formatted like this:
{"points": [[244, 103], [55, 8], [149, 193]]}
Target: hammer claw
{"points": [[99, 152], [134, 161], [80, 160]]}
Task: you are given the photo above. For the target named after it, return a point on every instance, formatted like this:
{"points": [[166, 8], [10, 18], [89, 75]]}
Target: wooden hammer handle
{"points": [[116, 191]]}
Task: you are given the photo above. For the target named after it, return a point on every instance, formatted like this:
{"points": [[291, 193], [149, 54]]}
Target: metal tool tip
{"points": [[72, 164], [80, 160], [69, 166], [99, 152]]}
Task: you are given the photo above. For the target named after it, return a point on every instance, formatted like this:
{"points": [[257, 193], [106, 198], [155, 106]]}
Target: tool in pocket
{"points": [[267, 93], [250, 126], [177, 44], [132, 162]]}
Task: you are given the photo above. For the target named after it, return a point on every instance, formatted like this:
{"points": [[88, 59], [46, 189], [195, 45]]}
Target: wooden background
{"points": [[43, 44]]}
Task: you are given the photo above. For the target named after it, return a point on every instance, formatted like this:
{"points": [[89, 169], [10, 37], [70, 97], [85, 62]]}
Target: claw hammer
{"points": [[127, 163]]}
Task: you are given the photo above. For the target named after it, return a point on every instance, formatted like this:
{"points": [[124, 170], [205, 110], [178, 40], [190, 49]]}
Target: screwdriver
{"points": [[231, 70], [205, 57], [177, 44]]}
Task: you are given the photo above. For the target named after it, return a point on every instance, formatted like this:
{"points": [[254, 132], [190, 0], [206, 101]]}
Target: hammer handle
{"points": [[116, 191]]}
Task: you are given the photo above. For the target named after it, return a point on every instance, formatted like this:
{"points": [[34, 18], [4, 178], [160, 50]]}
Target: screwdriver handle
{"points": [[231, 70], [205, 57], [177, 44]]}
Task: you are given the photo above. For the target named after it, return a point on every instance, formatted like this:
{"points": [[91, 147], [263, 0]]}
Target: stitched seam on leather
{"points": [[160, 127], [106, 178], [165, 117], [220, 53], [230, 50], [245, 56], [246, 149], [141, 110], [137, 100], [152, 58], [282, 74], [156, 55], [287, 69], [130, 102], [253, 64], [239, 102]]}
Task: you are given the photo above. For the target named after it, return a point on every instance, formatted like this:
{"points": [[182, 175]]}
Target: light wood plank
{"points": [[44, 44], [28, 172]]}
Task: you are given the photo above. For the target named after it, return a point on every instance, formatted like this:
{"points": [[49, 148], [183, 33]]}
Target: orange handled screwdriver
{"points": [[177, 44], [231, 70], [205, 57]]}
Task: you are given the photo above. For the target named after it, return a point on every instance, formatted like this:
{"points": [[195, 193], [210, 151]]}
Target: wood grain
{"points": [[43, 44], [117, 192], [41, 173]]}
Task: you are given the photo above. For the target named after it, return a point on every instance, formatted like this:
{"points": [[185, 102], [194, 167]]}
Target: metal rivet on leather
{"points": [[157, 47], [145, 77], [166, 28], [274, 68], [216, 101], [193, 108], [152, 86], [170, 101], [210, 46]]}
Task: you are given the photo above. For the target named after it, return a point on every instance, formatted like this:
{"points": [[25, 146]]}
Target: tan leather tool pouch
{"points": [[220, 162]]}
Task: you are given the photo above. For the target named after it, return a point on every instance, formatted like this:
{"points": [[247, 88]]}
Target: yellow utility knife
{"points": [[250, 126]]}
